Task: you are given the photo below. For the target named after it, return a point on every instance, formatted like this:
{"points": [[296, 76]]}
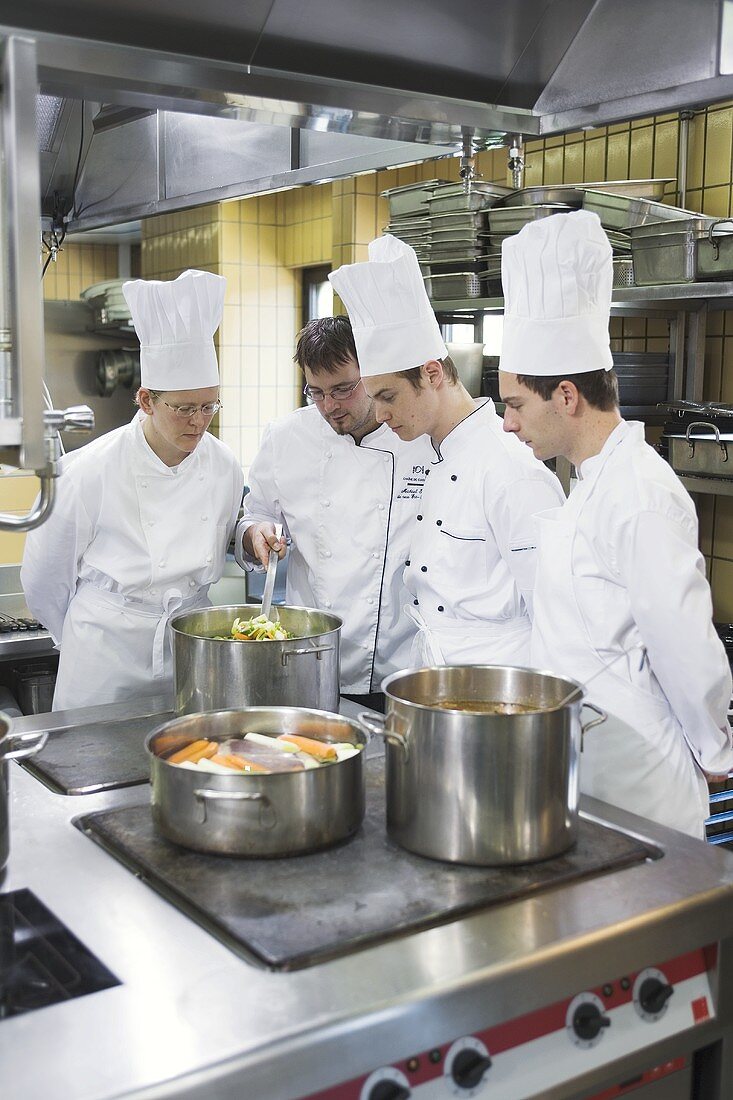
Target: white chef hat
{"points": [[391, 317], [557, 275], [175, 322]]}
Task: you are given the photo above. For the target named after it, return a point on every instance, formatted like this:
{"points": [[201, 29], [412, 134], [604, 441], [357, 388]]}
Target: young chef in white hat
{"points": [[347, 490], [621, 599], [470, 571], [144, 514]]}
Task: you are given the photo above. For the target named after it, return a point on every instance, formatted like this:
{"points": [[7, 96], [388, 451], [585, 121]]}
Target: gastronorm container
{"points": [[682, 251], [279, 814], [482, 788], [624, 212], [410, 198], [453, 197], [210, 674]]}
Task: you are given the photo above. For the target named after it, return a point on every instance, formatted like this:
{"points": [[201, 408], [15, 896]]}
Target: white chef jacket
{"points": [[473, 555], [349, 509], [620, 572], [130, 542]]}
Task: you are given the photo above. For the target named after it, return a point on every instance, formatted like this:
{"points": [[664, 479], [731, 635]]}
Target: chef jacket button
{"points": [[376, 555], [454, 477], [209, 557], [380, 507], [370, 600], [326, 503], [440, 607], [423, 568], [329, 454], [326, 603], [153, 591], [407, 562], [438, 523], [204, 518], [327, 553], [143, 484], [161, 564], [201, 477], [192, 584], [151, 523], [419, 517], [415, 602]]}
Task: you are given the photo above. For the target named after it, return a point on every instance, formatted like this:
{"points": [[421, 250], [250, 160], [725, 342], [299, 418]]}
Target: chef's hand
{"points": [[712, 777], [259, 539]]}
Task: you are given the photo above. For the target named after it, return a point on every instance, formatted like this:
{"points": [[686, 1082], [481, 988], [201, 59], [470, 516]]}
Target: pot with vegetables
{"points": [[261, 781], [482, 762], [232, 657]]}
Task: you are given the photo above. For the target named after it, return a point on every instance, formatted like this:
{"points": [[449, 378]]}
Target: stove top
{"points": [[41, 961], [287, 914]]}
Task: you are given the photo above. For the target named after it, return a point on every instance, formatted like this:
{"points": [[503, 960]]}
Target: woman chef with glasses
{"points": [[144, 514]]}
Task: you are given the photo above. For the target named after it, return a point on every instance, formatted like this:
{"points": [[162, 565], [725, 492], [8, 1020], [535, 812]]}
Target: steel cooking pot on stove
{"points": [[256, 815], [213, 673], [13, 746], [470, 786]]}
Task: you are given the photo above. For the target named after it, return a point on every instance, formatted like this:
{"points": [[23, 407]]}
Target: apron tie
{"points": [[172, 601]]}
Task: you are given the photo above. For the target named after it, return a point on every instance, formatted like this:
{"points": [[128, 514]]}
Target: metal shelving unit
{"points": [[685, 305]]}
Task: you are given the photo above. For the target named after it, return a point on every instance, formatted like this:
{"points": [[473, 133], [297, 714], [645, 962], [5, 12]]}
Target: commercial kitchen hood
{"points": [[293, 91]]}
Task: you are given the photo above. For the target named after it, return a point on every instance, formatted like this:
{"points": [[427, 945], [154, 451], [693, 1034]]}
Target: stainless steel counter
{"points": [[25, 643], [191, 1019]]}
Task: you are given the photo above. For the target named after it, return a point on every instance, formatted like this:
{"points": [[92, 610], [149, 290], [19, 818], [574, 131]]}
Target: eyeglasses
{"points": [[338, 393], [187, 411]]}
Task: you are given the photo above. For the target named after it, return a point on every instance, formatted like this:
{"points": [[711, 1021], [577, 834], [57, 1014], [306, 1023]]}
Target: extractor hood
{"points": [[422, 76]]}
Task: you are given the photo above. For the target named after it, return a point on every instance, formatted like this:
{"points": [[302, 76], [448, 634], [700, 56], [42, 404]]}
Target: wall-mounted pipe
{"points": [[682, 156]]}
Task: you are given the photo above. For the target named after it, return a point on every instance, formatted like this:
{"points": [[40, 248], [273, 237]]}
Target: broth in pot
{"points": [[485, 706]]}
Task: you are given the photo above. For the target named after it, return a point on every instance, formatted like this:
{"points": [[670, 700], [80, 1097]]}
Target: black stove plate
{"points": [[99, 756], [41, 962], [296, 912]]}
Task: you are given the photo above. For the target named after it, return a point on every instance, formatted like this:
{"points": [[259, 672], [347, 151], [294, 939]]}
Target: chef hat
{"points": [[557, 275], [391, 317], [175, 322]]}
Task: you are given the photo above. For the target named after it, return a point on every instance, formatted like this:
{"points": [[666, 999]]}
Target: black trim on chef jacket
{"points": [[384, 560], [437, 447]]}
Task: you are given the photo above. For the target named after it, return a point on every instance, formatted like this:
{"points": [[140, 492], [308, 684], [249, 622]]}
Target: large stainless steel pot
{"points": [[257, 815], [210, 674], [482, 788], [13, 746]]}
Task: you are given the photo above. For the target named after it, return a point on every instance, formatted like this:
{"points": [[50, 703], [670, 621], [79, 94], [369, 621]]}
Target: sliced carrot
{"points": [[208, 751], [319, 749], [187, 751], [238, 763]]}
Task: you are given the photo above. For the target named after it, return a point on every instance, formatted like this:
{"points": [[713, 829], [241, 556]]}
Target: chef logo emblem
{"points": [[412, 484]]}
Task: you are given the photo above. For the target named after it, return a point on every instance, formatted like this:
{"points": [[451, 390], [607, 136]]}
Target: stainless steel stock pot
{"points": [[281, 814], [468, 786], [212, 674], [13, 746]]}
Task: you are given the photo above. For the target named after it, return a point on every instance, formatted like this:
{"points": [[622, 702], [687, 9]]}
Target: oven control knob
{"points": [[387, 1083], [586, 1020], [651, 994], [466, 1065]]}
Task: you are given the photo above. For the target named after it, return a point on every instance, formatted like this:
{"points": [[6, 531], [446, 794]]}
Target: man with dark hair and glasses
{"points": [[144, 514], [346, 491]]}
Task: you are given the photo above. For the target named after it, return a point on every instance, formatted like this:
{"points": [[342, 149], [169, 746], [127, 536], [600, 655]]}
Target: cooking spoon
{"points": [[270, 578]]}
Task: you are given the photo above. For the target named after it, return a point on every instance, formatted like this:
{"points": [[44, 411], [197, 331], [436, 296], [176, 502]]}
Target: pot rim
{"points": [[478, 714], [356, 726], [339, 622]]}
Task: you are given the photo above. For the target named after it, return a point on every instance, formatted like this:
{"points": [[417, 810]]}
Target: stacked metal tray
{"points": [[686, 251]]}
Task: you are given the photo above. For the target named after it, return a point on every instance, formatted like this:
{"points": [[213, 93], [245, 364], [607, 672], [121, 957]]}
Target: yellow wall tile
{"points": [[595, 160], [665, 150], [641, 153], [617, 155], [718, 142]]}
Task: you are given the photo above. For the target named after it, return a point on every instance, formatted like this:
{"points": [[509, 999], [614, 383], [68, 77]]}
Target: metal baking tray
{"points": [[454, 197], [564, 193], [635, 189], [461, 284], [682, 252], [703, 449], [624, 212], [410, 198], [462, 220]]}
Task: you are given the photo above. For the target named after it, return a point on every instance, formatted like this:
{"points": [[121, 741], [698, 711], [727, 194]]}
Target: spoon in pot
{"points": [[580, 688], [270, 578]]}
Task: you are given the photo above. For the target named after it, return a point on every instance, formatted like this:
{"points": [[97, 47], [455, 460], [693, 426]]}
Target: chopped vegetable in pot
{"points": [[257, 629]]}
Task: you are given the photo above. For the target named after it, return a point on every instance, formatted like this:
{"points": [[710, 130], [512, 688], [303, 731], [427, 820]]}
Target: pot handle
{"points": [[317, 649], [35, 742], [602, 716], [208, 794], [376, 725]]}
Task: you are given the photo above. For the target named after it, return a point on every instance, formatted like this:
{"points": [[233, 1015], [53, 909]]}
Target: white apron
{"points": [[638, 759], [134, 658], [469, 642]]}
